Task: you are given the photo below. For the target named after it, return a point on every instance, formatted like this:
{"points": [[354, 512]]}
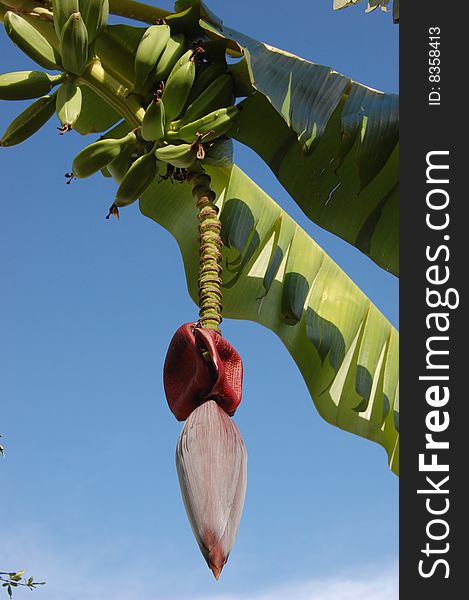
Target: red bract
{"points": [[211, 463], [201, 365]]}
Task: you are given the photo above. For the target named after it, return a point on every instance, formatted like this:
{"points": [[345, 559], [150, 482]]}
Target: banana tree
{"points": [[169, 97]]}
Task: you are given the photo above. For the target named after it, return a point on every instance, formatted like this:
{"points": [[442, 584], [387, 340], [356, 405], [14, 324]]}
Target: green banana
{"points": [[184, 59], [29, 121], [74, 44], [24, 85], [205, 75], [210, 127], [68, 106], [153, 123], [181, 155], [122, 128], [95, 14], [175, 48], [30, 41], [120, 165], [98, 155], [217, 95], [149, 50], [62, 9], [137, 179], [178, 86]]}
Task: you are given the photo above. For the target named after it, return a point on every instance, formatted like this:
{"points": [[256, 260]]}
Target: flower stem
{"points": [[137, 11], [210, 244], [114, 93]]}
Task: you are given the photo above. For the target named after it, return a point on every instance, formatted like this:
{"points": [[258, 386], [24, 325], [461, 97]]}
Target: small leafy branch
{"points": [[17, 579], [13, 579]]}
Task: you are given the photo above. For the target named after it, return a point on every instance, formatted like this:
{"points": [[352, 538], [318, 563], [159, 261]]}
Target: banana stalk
{"points": [[114, 93], [20, 6], [137, 11], [116, 60]]}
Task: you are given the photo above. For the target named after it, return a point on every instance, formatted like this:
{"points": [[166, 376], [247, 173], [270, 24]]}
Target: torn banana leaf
{"points": [[327, 183], [372, 5], [276, 275], [331, 142]]}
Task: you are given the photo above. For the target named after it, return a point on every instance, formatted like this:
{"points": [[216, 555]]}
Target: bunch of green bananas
{"points": [[76, 23], [194, 105], [185, 116], [189, 98]]}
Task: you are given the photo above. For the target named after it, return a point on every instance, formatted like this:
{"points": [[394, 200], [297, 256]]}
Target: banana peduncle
{"points": [[210, 243]]}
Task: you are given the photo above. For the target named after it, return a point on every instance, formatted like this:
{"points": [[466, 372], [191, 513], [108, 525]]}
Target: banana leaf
{"points": [[326, 183], [276, 275], [372, 5], [330, 141]]}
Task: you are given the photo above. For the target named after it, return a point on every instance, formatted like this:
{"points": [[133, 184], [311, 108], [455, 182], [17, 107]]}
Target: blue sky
{"points": [[90, 500]]}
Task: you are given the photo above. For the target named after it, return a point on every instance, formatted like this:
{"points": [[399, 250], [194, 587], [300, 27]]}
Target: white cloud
{"points": [[80, 573], [376, 586]]}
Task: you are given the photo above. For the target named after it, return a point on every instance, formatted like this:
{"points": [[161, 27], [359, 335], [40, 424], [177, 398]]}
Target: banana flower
{"points": [[203, 383]]}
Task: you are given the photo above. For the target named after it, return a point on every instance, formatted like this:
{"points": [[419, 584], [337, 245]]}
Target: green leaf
{"points": [[276, 275], [331, 142], [335, 185]]}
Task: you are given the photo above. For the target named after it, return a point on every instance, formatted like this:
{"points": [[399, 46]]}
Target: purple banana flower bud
{"points": [[211, 464]]}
